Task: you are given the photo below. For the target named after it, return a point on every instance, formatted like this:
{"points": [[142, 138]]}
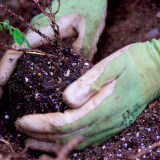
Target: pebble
{"points": [[153, 33]]}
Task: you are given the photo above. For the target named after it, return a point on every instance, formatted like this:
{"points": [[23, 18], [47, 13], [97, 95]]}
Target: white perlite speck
{"points": [[6, 116], [73, 64], [137, 134], [86, 64], [75, 155], [36, 95], [119, 155], [67, 73], [26, 79], [123, 139], [51, 73]]}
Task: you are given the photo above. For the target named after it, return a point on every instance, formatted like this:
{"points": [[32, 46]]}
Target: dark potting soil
{"points": [[39, 80]]}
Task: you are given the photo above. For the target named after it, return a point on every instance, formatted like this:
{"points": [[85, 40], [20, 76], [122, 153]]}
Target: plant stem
{"points": [[7, 24], [48, 15], [32, 51], [59, 3], [26, 22]]}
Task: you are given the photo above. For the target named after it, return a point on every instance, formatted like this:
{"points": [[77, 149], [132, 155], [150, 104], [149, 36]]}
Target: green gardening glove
{"points": [[106, 100]]}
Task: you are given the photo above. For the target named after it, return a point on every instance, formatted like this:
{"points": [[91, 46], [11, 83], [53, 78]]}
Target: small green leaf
{"points": [[18, 36], [6, 25], [10, 30], [26, 41], [1, 27]]}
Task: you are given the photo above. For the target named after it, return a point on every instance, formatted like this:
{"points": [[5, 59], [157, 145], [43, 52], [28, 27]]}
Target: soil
{"points": [[39, 80], [127, 22]]}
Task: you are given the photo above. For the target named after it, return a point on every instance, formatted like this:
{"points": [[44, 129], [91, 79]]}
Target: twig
{"points": [[56, 31], [66, 149], [59, 3], [8, 144], [47, 14], [154, 145], [26, 22], [134, 4], [32, 51], [57, 34]]}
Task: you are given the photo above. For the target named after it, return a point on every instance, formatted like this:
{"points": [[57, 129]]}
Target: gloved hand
{"points": [[106, 100], [74, 19]]}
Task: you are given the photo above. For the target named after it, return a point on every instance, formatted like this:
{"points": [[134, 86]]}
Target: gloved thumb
{"points": [[83, 88]]}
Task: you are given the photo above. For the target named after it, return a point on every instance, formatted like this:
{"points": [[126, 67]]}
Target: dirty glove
{"points": [[74, 19], [106, 100]]}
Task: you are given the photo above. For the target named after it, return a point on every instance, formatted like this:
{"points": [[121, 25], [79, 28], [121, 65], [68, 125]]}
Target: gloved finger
{"points": [[49, 146], [82, 87], [40, 145], [71, 26], [63, 122]]}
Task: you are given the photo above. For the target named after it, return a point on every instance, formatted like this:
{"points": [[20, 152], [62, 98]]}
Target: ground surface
{"points": [[127, 22]]}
